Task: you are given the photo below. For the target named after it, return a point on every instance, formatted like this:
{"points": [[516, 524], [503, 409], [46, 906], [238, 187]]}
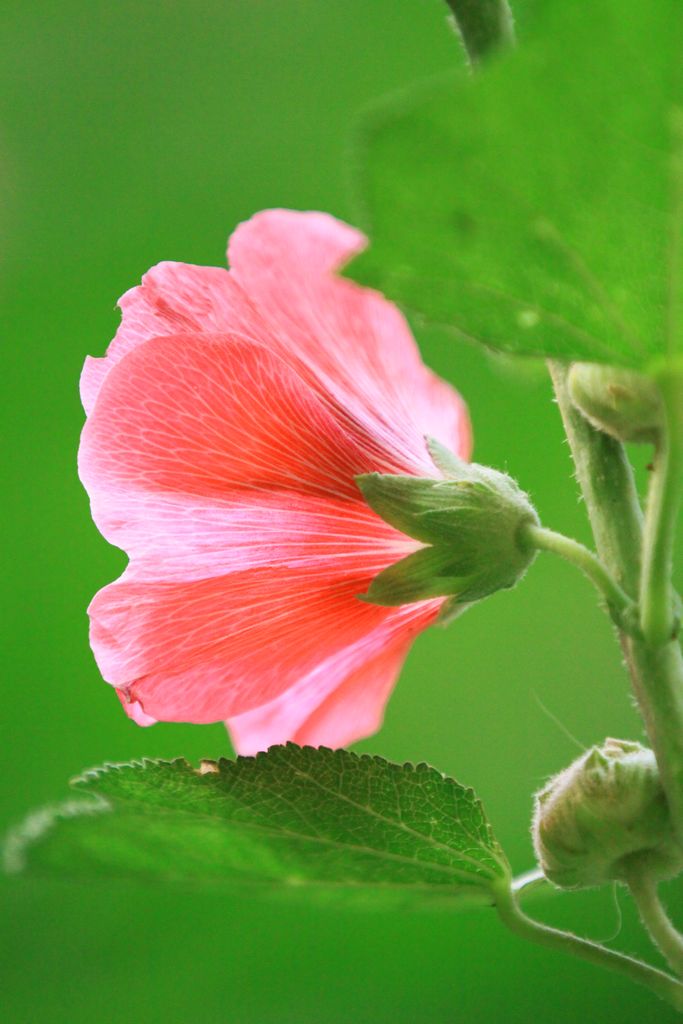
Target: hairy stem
{"points": [[665, 986], [606, 480], [657, 678], [484, 25], [653, 915], [663, 502], [542, 539]]}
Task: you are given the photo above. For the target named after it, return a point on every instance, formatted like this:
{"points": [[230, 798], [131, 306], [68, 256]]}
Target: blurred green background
{"points": [[134, 132]]}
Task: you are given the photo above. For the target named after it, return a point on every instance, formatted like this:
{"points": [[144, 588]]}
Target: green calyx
{"points": [[622, 403], [604, 815], [470, 522]]}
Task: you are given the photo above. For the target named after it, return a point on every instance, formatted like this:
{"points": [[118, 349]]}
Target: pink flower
{"points": [[226, 424]]}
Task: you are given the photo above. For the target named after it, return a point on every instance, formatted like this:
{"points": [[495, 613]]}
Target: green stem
{"points": [[653, 915], [657, 678], [606, 480], [658, 620], [484, 25], [517, 921], [577, 554]]}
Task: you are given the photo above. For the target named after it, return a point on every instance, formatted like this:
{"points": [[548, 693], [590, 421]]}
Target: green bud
{"points": [[470, 523], [622, 403], [604, 813]]}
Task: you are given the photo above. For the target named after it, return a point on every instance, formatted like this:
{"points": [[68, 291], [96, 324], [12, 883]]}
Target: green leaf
{"points": [[537, 206], [292, 818]]}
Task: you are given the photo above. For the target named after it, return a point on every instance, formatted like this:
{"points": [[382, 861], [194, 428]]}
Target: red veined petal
{"points": [[173, 298], [206, 415], [357, 342], [212, 649], [177, 537], [343, 699]]}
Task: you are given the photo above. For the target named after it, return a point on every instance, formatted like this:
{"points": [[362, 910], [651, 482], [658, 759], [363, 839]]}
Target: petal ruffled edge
{"points": [[357, 343], [173, 298], [210, 650], [343, 699]]}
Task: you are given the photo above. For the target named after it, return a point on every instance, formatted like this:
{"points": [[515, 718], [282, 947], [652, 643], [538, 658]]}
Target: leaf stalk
{"points": [[484, 26], [658, 618], [662, 984], [622, 607]]}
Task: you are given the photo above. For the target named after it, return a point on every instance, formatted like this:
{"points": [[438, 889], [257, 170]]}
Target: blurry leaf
{"points": [[290, 818], [537, 206]]}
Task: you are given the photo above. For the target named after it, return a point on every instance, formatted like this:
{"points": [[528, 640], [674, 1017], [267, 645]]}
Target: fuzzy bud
{"points": [[605, 812], [470, 521], [619, 402]]}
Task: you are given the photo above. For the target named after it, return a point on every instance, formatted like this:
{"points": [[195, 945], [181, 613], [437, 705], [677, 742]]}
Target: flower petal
{"points": [[176, 537], [358, 344], [226, 425], [342, 700], [212, 649], [173, 298], [134, 710], [209, 414]]}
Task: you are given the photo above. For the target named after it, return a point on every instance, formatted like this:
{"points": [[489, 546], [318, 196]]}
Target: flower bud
{"points": [[604, 813], [470, 522], [622, 403]]}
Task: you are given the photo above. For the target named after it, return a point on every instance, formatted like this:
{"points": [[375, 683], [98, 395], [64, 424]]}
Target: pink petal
{"points": [[173, 298], [343, 699], [226, 424], [358, 344], [206, 415], [216, 648], [133, 709], [177, 537]]}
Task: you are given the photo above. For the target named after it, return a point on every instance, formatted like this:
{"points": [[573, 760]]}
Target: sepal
{"points": [[470, 521]]}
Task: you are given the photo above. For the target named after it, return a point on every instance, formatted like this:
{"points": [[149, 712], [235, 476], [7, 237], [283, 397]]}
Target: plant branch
{"points": [[664, 985], [484, 25], [606, 480], [620, 604], [658, 619], [653, 915]]}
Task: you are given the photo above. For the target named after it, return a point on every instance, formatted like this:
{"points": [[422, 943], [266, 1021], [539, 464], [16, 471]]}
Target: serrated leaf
{"points": [[537, 206], [292, 818]]}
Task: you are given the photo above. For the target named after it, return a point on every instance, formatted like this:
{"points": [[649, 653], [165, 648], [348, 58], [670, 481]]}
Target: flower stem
{"points": [[663, 502], [619, 602], [653, 915], [665, 986], [606, 480], [657, 677], [484, 25]]}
